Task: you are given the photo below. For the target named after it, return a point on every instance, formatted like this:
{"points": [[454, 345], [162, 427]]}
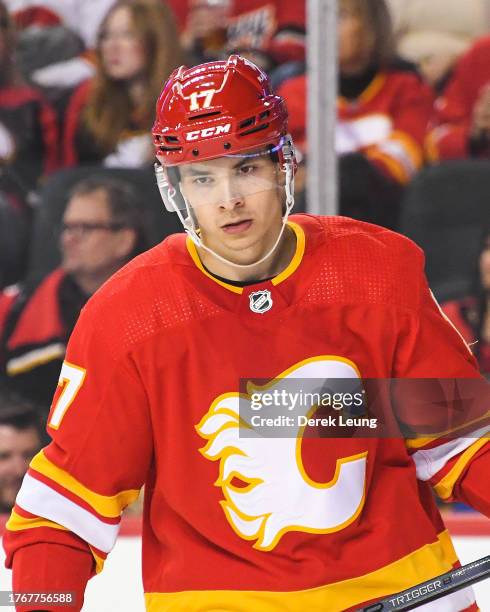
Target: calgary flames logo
{"points": [[279, 496]]}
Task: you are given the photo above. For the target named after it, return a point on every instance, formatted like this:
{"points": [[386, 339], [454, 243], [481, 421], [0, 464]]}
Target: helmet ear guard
{"points": [[167, 179], [287, 160], [173, 199]]}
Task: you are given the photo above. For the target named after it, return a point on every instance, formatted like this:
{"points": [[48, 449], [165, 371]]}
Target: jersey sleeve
{"points": [[448, 136], [401, 154], [52, 567], [455, 407], [77, 487]]}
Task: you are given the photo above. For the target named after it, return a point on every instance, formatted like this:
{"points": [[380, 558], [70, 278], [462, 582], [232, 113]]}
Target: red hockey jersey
{"points": [[448, 137], [149, 395], [274, 27], [387, 123]]}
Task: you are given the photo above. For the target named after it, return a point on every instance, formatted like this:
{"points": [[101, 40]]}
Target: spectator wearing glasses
{"points": [[20, 440], [102, 229]]}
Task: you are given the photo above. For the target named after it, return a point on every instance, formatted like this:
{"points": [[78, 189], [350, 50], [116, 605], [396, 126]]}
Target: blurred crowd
{"points": [[78, 86]]}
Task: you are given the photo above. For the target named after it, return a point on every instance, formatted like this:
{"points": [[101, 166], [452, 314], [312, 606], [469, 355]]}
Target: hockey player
{"points": [[150, 390]]}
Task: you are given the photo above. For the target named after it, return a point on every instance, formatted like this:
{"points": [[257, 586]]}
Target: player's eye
{"points": [[247, 169], [203, 181]]}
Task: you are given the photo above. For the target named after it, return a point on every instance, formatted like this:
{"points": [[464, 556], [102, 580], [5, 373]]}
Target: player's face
{"points": [[17, 447], [122, 51], [91, 242], [485, 265], [237, 203], [354, 42]]}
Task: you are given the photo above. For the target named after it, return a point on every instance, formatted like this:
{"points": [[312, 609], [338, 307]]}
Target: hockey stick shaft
{"points": [[433, 589]]}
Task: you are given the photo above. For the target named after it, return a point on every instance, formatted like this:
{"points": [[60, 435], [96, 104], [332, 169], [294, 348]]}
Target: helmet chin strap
{"points": [[192, 232]]}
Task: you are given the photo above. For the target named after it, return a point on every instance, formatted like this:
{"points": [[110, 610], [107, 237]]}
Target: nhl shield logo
{"points": [[260, 301]]}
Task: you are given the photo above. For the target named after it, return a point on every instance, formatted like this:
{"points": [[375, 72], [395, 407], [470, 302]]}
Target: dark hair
{"points": [[124, 204], [17, 411], [376, 17]]}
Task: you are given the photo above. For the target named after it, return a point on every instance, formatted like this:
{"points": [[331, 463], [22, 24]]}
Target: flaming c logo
{"points": [[279, 496]]}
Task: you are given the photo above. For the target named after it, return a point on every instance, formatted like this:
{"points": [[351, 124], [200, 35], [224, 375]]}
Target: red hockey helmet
{"points": [[215, 109]]}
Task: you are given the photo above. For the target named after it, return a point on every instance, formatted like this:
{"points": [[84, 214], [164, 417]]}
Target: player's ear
{"points": [[125, 243]]}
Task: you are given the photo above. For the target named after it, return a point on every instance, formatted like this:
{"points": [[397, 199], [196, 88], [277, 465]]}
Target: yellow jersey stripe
{"points": [[413, 149], [425, 563], [368, 94], [109, 506], [393, 165], [17, 522], [298, 255], [191, 247], [444, 488], [99, 562], [291, 267]]}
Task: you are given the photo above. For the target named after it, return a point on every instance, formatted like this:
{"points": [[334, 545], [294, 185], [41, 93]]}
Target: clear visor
{"points": [[220, 181]]}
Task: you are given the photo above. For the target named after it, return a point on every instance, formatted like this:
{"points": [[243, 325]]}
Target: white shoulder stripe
{"points": [[39, 499], [429, 461]]}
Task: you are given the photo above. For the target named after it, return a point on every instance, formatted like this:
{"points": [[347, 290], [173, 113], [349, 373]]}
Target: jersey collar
{"points": [[367, 95], [286, 273]]}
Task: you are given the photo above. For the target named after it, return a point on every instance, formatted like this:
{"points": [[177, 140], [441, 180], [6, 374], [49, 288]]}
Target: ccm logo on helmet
{"points": [[208, 132]]}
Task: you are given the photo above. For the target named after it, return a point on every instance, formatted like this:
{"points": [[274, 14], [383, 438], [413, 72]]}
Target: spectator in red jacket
{"points": [[56, 39], [108, 119], [383, 111], [471, 315], [269, 32], [103, 228], [28, 151], [461, 123], [28, 130], [204, 31]]}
